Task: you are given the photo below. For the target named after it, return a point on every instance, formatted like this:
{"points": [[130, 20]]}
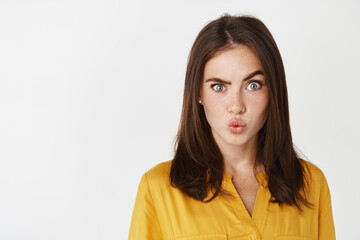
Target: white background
{"points": [[91, 95]]}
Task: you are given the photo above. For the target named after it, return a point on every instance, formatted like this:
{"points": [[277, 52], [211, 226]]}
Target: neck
{"points": [[240, 160]]}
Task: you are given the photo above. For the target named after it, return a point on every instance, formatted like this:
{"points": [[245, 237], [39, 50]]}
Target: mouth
{"points": [[236, 123], [236, 130], [236, 126]]}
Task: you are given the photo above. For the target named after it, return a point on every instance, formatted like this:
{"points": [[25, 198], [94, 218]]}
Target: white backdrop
{"points": [[91, 95]]}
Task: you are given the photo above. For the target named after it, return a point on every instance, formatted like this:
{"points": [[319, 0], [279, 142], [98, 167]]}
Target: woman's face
{"points": [[234, 88]]}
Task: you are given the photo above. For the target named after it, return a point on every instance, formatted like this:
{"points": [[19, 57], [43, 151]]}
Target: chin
{"points": [[236, 140], [238, 143]]}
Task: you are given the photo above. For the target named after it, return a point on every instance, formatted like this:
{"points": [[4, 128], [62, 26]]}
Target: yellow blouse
{"points": [[164, 212]]}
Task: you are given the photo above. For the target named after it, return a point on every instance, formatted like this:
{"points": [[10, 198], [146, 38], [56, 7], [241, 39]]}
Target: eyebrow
{"points": [[251, 75]]}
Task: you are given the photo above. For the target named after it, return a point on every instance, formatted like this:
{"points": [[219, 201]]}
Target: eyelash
{"points": [[219, 84]]}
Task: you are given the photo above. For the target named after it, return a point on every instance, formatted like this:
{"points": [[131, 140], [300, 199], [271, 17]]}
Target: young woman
{"points": [[235, 173]]}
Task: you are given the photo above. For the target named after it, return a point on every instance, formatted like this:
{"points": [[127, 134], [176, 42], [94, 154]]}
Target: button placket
{"points": [[240, 211]]}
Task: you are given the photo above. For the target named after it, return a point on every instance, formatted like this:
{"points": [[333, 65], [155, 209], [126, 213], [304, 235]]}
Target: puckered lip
{"points": [[236, 123]]}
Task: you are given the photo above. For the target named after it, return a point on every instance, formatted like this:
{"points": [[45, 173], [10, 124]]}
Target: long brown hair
{"points": [[197, 166]]}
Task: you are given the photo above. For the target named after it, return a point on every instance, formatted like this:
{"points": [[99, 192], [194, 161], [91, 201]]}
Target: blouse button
{"points": [[252, 237]]}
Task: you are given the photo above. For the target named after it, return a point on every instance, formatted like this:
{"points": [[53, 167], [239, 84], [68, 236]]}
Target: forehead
{"points": [[235, 62]]}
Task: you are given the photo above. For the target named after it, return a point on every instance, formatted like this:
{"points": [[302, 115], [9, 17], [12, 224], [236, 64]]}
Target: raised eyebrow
{"points": [[218, 80], [251, 75]]}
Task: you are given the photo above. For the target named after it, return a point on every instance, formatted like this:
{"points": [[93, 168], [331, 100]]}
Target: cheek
{"points": [[213, 106], [264, 103], [259, 105]]}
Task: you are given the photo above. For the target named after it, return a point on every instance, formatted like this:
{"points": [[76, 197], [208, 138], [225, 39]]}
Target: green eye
{"points": [[254, 86], [218, 87]]}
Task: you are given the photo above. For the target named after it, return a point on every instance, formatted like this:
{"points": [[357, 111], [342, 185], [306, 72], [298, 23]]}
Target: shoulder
{"points": [[316, 182], [159, 171], [160, 168], [159, 175], [312, 172]]}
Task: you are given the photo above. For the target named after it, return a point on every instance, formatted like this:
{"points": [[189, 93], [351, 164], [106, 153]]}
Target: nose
{"points": [[236, 103]]}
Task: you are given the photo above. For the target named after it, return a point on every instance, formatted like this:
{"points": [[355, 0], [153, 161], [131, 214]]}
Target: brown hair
{"points": [[197, 166]]}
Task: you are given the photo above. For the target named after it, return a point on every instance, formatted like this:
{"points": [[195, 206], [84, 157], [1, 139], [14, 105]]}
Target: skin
{"points": [[242, 97]]}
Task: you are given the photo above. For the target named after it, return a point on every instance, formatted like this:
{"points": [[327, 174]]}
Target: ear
{"points": [[200, 96]]}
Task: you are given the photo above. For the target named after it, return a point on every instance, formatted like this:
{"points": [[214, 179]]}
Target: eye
{"points": [[254, 86], [218, 87]]}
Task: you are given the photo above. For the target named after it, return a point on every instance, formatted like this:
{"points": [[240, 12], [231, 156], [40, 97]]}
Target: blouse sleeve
{"points": [[326, 222], [144, 221]]}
